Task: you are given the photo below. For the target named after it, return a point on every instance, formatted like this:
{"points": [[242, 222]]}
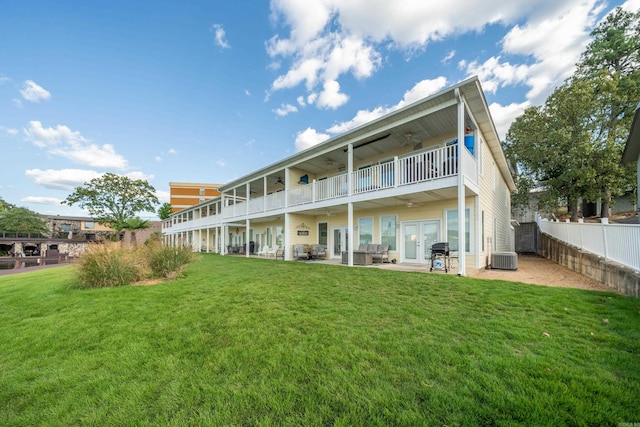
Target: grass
{"points": [[239, 341]]}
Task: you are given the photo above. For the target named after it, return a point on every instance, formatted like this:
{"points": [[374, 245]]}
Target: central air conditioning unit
{"points": [[504, 261]]}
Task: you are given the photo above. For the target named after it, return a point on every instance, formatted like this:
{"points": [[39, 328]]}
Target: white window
{"points": [[388, 233], [452, 229], [365, 230]]}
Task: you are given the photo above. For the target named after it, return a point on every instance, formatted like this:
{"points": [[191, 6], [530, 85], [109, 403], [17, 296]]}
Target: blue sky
{"points": [[208, 91]]}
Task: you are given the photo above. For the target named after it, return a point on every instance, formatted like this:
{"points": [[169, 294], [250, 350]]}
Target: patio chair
{"points": [[381, 255], [318, 251], [272, 251], [263, 251], [300, 252]]}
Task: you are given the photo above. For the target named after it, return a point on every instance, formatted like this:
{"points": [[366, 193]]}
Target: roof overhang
{"points": [[441, 104], [632, 149]]}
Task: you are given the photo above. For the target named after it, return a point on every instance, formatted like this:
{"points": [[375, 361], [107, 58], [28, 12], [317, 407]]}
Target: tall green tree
{"points": [[551, 146], [572, 145], [164, 212], [22, 220], [113, 199], [611, 63]]}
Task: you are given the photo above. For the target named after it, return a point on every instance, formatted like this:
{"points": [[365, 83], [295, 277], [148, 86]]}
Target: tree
{"points": [[611, 62], [133, 225], [113, 199], [4, 205], [573, 145], [165, 211], [22, 220], [551, 145]]}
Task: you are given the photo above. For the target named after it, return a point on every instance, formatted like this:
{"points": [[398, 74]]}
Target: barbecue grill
{"points": [[440, 257]]}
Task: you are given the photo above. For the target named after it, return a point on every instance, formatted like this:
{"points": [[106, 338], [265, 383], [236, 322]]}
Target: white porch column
{"points": [[264, 194], [350, 238], [478, 243], [208, 242], [199, 239], [217, 240], [350, 172], [225, 233], [461, 193], [246, 201], [287, 185], [288, 255], [247, 224]]}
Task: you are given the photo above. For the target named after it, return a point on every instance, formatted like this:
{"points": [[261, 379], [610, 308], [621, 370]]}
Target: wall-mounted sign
{"points": [[303, 232]]}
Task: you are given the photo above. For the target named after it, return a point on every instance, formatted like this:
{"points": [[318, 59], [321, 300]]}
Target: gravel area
{"points": [[537, 270]]}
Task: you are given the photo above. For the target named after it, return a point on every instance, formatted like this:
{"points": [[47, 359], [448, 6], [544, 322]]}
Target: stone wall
{"points": [[607, 272]]}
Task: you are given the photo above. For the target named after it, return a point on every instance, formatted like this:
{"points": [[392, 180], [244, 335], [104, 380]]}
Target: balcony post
{"points": [[396, 171], [462, 244], [313, 191], [350, 169]]}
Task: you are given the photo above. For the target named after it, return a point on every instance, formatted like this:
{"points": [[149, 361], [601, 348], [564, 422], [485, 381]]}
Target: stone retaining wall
{"points": [[607, 272]]}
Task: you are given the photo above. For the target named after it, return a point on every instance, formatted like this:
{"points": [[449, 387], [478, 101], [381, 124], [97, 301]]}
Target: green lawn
{"points": [[256, 342]]}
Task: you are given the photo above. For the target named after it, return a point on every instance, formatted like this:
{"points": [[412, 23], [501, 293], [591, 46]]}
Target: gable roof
{"points": [[476, 103]]}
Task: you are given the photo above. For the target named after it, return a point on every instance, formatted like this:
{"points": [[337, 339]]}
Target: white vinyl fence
{"points": [[615, 242]]}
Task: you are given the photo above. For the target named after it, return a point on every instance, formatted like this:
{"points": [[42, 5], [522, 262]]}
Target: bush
{"points": [[109, 264], [164, 261], [112, 264]]}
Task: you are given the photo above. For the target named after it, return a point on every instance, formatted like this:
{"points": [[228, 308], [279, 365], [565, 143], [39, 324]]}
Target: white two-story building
{"points": [[402, 180]]}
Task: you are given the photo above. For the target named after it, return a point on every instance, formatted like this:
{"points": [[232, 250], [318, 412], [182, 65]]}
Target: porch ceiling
{"points": [[430, 117]]}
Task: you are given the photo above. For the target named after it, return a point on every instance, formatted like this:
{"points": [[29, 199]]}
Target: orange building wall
{"points": [[185, 194]]}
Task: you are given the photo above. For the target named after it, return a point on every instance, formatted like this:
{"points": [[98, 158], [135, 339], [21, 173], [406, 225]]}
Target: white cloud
{"points": [[449, 57], [8, 131], [300, 100], [246, 92], [139, 175], [157, 159], [163, 196], [172, 151], [220, 36], [420, 90], [17, 103], [331, 97], [31, 91], [285, 109], [631, 5], [318, 42], [503, 116], [61, 179], [62, 141], [69, 179], [308, 138], [42, 200], [221, 162]]}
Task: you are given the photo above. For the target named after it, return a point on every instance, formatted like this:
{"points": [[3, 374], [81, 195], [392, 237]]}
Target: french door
{"points": [[339, 241], [417, 238]]}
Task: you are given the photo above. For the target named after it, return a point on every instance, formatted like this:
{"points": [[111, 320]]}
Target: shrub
{"points": [[163, 261], [109, 264]]}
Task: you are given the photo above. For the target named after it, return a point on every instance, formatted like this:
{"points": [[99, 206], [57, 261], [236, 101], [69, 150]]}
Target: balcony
{"points": [[385, 178]]}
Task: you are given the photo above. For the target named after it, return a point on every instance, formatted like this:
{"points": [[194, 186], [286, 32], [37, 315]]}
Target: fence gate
{"points": [[527, 238]]}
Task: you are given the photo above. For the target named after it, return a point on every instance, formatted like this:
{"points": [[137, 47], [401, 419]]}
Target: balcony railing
{"points": [[416, 168]]}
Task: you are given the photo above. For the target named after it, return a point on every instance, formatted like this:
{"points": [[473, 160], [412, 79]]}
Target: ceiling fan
{"points": [[279, 181], [411, 204]]}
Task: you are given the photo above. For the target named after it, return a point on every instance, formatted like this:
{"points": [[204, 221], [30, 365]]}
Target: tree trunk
{"points": [[134, 240], [605, 211], [573, 209]]}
